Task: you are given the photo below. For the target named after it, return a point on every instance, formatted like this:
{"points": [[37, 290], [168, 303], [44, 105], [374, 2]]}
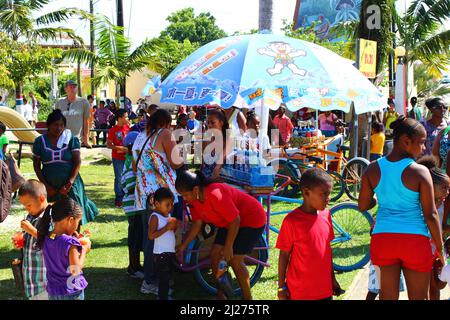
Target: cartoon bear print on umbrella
{"points": [[284, 56]]}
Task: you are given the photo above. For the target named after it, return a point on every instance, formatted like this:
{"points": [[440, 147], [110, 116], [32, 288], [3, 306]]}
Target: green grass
{"points": [[106, 264]]}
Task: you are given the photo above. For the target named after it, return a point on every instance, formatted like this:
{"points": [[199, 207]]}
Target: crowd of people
{"points": [[152, 185]]}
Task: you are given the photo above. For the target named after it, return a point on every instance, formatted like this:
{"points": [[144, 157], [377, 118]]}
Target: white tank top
{"points": [[166, 242]]}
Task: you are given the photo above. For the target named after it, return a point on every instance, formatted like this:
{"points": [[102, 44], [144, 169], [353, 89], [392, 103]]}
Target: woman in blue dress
{"points": [[57, 162]]}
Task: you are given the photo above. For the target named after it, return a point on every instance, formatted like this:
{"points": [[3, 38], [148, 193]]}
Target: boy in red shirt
{"points": [[283, 124], [305, 265], [115, 142]]}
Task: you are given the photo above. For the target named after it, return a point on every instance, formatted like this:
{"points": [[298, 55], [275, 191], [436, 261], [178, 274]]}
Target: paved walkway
{"points": [[358, 288]]}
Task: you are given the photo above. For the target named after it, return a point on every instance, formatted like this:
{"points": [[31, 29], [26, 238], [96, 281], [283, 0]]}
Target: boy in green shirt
{"points": [[3, 141]]}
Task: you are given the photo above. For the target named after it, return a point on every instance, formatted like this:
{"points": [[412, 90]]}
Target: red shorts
{"points": [[412, 251]]}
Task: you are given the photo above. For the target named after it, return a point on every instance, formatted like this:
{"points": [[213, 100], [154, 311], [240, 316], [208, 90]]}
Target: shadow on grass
{"points": [[107, 217], [115, 284]]}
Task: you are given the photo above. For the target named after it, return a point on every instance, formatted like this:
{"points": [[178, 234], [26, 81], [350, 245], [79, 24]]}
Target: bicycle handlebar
{"points": [[283, 185]]}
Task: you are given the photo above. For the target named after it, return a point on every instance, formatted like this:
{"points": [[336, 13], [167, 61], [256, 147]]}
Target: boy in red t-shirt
{"points": [[305, 265], [115, 142]]}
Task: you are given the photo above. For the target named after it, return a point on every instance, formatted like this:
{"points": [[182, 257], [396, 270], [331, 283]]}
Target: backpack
{"points": [[5, 190]]}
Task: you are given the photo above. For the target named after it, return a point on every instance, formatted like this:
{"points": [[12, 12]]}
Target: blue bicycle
{"points": [[351, 245]]}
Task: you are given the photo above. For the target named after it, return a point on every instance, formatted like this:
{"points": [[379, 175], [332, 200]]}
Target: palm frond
{"points": [[80, 54], [36, 4], [142, 54], [63, 15], [439, 44], [48, 33], [428, 16], [15, 20]]}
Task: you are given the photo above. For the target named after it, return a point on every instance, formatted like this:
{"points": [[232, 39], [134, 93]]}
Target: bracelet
{"points": [[284, 288]]}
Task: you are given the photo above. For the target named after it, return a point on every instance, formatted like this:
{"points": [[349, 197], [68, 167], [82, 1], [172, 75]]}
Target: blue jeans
{"points": [[118, 168], [75, 296], [149, 269]]}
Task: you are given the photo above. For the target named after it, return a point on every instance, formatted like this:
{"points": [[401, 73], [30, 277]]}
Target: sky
{"points": [[147, 18]]}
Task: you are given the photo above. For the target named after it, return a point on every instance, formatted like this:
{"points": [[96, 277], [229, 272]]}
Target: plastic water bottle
{"points": [[224, 279]]}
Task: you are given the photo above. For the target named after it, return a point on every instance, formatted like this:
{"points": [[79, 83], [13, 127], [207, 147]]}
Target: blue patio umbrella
{"points": [[265, 69]]}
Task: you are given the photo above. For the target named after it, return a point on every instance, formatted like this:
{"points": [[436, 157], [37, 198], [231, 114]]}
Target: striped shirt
{"points": [[128, 183], [34, 272]]}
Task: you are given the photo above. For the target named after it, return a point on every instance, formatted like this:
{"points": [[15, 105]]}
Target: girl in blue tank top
{"points": [[407, 216]]}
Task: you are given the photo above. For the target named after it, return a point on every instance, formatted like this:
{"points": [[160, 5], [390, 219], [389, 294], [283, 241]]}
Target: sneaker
{"points": [[147, 288], [135, 274]]}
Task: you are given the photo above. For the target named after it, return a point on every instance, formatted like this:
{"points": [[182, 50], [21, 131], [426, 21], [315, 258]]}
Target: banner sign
{"points": [[368, 58]]}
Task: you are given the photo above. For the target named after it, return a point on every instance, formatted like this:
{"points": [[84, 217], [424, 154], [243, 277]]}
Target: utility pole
{"points": [[122, 86], [92, 40], [265, 15]]}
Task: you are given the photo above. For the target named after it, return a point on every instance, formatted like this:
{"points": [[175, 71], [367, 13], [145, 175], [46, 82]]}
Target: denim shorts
{"points": [[74, 296]]}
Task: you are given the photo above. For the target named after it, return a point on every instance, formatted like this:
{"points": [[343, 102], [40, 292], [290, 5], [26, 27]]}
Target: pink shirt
{"points": [[285, 126], [323, 122]]}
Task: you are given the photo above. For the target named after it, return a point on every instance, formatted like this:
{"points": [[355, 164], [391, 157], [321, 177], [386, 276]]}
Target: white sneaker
{"points": [[147, 288]]}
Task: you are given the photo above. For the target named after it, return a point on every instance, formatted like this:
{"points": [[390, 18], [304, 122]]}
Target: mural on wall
{"points": [[326, 13]]}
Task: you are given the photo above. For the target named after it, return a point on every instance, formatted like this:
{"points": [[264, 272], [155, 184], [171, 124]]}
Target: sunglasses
{"points": [[441, 106]]}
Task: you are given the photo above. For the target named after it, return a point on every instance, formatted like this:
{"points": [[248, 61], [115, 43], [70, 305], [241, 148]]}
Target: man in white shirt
{"points": [[26, 110]]}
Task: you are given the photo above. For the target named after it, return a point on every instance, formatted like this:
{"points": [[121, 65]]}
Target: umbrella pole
{"points": [[355, 130], [369, 131], [317, 119]]}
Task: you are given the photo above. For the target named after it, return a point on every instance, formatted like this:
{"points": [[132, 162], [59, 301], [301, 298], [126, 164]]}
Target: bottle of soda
{"points": [[224, 279]]}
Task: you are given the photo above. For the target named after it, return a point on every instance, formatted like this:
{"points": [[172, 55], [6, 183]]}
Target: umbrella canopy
{"points": [[265, 69]]}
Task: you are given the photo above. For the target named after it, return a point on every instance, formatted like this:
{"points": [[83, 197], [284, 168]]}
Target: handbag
{"points": [[16, 177]]}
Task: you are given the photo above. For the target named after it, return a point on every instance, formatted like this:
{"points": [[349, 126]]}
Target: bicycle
{"points": [[346, 176], [196, 256], [351, 245]]}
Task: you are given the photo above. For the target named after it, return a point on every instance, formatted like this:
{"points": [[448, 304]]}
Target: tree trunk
{"points": [[265, 15], [19, 93], [122, 84], [79, 78]]}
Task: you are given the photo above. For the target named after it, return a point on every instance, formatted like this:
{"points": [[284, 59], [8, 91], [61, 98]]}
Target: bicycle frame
{"points": [[344, 236]]}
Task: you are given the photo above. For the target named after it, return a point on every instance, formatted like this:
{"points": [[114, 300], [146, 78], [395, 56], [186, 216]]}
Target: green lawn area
{"points": [[106, 264]]}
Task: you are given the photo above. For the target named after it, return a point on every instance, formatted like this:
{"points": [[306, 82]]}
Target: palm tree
{"points": [[422, 34], [113, 60], [19, 20], [427, 84]]}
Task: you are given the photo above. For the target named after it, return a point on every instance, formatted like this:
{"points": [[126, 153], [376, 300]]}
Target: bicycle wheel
{"points": [[352, 174], [207, 280], [290, 169], [338, 185], [351, 245]]}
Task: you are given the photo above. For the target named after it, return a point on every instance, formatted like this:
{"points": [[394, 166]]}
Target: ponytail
{"points": [[61, 209], [187, 181], [44, 226], [406, 126]]}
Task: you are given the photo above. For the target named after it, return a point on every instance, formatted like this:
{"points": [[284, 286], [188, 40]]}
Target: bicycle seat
{"points": [[315, 159], [344, 148]]}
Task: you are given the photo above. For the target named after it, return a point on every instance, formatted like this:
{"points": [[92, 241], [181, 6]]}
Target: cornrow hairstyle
{"points": [[437, 174], [54, 116], [61, 209], [406, 126]]}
